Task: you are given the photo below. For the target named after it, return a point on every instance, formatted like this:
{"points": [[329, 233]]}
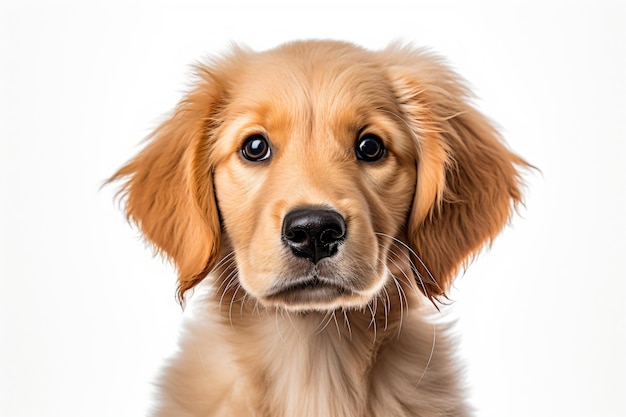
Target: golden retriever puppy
{"points": [[323, 195]]}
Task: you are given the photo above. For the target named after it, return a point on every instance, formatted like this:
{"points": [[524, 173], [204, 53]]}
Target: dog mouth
{"points": [[307, 290]]}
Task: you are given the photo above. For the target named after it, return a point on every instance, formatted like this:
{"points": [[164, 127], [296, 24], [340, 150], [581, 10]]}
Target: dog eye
{"points": [[256, 148], [370, 148]]}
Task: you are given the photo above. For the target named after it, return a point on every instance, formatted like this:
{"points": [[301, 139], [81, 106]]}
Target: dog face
{"points": [[315, 173], [312, 178]]}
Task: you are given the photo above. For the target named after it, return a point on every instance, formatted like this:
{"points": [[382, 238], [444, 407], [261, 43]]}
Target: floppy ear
{"points": [[168, 188], [467, 180]]}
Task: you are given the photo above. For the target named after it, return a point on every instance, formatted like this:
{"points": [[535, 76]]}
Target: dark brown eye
{"points": [[256, 148], [370, 148]]}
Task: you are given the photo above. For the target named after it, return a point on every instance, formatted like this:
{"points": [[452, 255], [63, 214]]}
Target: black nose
{"points": [[313, 233]]}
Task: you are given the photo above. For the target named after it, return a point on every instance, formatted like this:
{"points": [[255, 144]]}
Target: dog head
{"points": [[315, 173]]}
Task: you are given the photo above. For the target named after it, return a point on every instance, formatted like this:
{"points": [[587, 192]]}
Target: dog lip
{"points": [[313, 283]]}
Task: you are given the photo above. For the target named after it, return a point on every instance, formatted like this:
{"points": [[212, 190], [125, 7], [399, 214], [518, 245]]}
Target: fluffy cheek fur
{"points": [[253, 200]]}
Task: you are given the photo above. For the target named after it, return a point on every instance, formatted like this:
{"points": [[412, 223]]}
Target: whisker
{"points": [[373, 321], [243, 302], [225, 270], [386, 307], [374, 304], [232, 279], [293, 325], [226, 257], [336, 323], [432, 279], [404, 303], [320, 325], [230, 308], [256, 308], [409, 281], [347, 322], [280, 335], [199, 352], [328, 318], [430, 358]]}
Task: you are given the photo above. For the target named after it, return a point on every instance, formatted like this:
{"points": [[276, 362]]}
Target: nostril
{"points": [[296, 235], [313, 233], [330, 236], [333, 234]]}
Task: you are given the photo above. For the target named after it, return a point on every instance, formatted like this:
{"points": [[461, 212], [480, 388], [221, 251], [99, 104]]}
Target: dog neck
{"points": [[310, 363], [265, 362]]}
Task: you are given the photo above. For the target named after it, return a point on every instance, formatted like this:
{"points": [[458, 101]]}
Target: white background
{"points": [[86, 312]]}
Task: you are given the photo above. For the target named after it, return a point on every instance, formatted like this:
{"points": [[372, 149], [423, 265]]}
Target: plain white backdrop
{"points": [[86, 312]]}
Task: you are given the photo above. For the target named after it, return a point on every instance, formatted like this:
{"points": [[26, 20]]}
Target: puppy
{"points": [[321, 196]]}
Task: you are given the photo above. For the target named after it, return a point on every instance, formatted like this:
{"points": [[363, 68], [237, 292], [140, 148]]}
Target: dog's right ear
{"points": [[168, 187]]}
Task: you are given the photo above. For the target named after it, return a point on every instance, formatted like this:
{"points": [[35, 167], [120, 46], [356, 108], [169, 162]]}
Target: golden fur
{"points": [[444, 188]]}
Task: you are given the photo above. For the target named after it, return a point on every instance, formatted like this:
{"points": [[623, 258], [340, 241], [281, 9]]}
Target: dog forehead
{"points": [[290, 85]]}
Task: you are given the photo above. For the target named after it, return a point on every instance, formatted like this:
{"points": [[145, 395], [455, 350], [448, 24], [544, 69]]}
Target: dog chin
{"points": [[313, 303], [317, 294]]}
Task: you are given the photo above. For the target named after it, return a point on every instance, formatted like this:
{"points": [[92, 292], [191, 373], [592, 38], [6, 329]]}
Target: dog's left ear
{"points": [[168, 188], [467, 180]]}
